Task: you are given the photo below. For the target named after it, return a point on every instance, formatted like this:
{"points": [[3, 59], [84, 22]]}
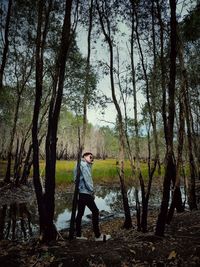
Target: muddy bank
{"points": [[179, 247]]}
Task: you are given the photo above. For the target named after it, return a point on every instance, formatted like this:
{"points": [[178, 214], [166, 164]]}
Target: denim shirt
{"points": [[86, 182]]}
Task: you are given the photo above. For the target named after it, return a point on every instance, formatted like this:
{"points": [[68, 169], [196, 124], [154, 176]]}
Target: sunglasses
{"points": [[91, 157]]}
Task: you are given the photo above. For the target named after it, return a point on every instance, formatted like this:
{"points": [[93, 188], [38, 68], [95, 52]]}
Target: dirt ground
{"points": [[179, 247]]}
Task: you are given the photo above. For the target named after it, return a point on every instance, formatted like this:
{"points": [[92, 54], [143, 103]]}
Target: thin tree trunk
{"points": [[193, 173], [28, 160], [82, 138], [146, 194], [54, 112], [136, 127], [127, 222], [76, 191], [170, 171], [163, 69], [37, 106], [152, 114], [9, 157], [3, 210], [13, 208], [27, 166], [176, 196], [138, 209], [20, 88], [16, 164], [6, 45]]}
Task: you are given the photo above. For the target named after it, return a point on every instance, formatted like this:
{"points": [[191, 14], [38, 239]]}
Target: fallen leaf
{"points": [[52, 259], [172, 255], [132, 251]]}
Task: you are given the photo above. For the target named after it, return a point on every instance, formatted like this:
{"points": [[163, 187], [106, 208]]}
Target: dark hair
{"points": [[86, 154]]}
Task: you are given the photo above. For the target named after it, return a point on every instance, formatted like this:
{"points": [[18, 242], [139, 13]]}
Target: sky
{"points": [[95, 115]]}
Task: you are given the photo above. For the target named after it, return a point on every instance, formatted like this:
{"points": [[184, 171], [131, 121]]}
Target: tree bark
{"points": [[5, 49], [37, 106], [9, 156], [54, 112], [145, 195], [170, 171], [187, 111], [128, 221], [176, 194], [152, 114], [82, 138], [3, 210], [136, 165]]}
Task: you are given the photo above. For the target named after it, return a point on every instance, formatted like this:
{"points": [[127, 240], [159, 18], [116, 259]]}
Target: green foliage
{"points": [[79, 80], [191, 25], [110, 141], [6, 105]]}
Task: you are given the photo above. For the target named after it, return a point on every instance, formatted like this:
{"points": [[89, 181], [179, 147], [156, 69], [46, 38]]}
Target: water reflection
{"points": [[15, 222], [20, 220], [108, 201]]}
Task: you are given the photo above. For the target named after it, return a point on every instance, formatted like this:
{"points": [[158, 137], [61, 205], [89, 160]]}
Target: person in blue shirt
{"points": [[86, 198]]}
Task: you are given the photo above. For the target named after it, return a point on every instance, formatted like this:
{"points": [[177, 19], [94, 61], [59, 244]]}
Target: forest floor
{"points": [[179, 247]]}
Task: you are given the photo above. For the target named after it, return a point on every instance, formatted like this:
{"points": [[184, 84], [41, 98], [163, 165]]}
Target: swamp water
{"points": [[19, 221]]}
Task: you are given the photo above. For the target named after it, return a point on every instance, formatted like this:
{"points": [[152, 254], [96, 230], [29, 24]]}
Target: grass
{"points": [[103, 171]]}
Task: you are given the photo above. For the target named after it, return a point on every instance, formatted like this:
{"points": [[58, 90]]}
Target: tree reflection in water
{"points": [[15, 222], [20, 220]]}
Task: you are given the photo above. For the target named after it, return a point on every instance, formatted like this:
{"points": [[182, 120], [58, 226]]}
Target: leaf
{"points": [[52, 259], [132, 251], [172, 255]]}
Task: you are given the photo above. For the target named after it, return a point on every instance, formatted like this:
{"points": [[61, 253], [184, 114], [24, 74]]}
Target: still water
{"points": [[109, 203], [20, 220]]}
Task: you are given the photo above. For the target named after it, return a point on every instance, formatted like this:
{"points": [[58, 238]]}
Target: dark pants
{"points": [[83, 201]]}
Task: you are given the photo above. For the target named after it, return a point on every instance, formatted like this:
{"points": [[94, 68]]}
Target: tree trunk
{"points": [[127, 222], [152, 114], [5, 49], [29, 160], [136, 164], [170, 171], [27, 166], [37, 106], [9, 157], [82, 138], [75, 197], [145, 201], [163, 68], [176, 196], [193, 172], [54, 112], [3, 210]]}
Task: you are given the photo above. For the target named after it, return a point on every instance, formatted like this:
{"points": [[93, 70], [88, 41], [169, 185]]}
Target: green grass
{"points": [[103, 171]]}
